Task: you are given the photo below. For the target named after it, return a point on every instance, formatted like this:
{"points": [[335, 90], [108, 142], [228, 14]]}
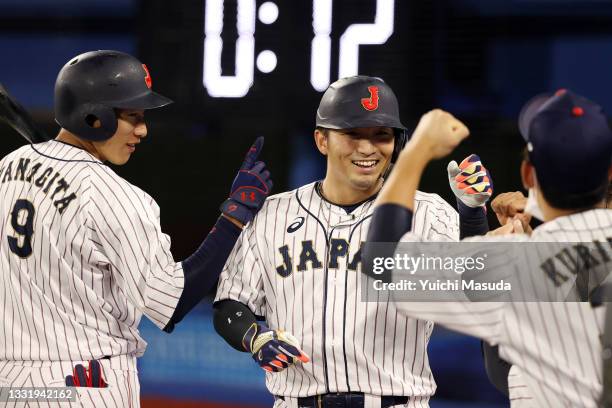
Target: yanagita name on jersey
{"points": [[441, 285], [30, 172]]}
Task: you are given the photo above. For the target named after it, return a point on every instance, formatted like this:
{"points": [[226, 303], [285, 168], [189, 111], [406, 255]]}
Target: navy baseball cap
{"points": [[570, 145]]}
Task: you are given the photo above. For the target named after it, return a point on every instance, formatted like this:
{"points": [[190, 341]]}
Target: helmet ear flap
{"points": [[86, 117]]}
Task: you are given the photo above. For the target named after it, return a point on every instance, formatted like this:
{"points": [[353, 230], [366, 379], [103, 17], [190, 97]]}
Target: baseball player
{"points": [[82, 255], [505, 377], [290, 291], [556, 346]]}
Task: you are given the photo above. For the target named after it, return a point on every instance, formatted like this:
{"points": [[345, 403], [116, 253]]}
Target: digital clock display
{"points": [[249, 13], [272, 59], [238, 69]]}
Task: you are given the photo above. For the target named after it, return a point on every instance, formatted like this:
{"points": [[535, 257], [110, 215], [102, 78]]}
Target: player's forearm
{"points": [[389, 224], [472, 221], [401, 185], [203, 267], [477, 319], [232, 319], [395, 204]]}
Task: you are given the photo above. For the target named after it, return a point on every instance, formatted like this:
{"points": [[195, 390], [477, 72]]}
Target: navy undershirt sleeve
{"points": [[203, 267], [472, 221], [389, 223], [497, 369]]}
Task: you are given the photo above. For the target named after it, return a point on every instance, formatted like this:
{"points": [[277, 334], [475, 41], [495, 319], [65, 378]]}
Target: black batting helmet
{"points": [[91, 85], [361, 101]]}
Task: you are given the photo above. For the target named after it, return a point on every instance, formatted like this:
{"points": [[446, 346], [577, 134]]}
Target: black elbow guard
{"points": [[232, 319]]}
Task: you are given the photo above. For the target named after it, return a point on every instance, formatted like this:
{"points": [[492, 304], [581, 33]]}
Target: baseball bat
{"points": [[19, 119]]}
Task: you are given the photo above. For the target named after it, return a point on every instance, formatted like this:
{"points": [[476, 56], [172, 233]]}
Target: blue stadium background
{"points": [[480, 59]]}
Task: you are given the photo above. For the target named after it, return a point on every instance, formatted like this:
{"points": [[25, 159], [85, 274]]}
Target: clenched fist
{"points": [[507, 206], [510, 209], [438, 133]]}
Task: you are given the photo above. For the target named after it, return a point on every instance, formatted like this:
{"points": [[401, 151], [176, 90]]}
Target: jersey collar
{"points": [[348, 209]]}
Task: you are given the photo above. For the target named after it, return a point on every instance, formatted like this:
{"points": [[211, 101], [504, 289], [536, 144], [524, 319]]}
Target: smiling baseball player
{"points": [[556, 346], [290, 292], [82, 254]]}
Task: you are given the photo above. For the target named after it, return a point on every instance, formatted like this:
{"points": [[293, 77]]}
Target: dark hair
{"points": [[525, 155], [323, 130], [326, 131], [609, 198], [583, 201], [565, 201]]}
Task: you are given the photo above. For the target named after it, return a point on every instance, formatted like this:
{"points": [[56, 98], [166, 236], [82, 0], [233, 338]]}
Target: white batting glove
{"points": [[470, 181]]}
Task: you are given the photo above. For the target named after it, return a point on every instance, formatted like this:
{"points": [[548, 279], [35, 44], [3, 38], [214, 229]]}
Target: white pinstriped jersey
{"points": [[120, 373], [298, 266], [517, 389], [555, 345], [82, 257]]}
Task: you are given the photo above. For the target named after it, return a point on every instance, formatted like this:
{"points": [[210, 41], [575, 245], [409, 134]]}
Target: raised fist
{"points": [[438, 133]]}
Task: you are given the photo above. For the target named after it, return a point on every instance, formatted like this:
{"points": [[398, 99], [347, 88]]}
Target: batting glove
{"points": [[250, 187], [470, 181], [273, 350], [86, 377]]}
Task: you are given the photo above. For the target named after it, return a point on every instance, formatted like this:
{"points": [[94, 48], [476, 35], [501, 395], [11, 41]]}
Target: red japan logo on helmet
{"points": [[371, 103], [147, 79]]}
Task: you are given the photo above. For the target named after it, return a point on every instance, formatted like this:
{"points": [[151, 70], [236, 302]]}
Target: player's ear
{"points": [[321, 140], [528, 175]]}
